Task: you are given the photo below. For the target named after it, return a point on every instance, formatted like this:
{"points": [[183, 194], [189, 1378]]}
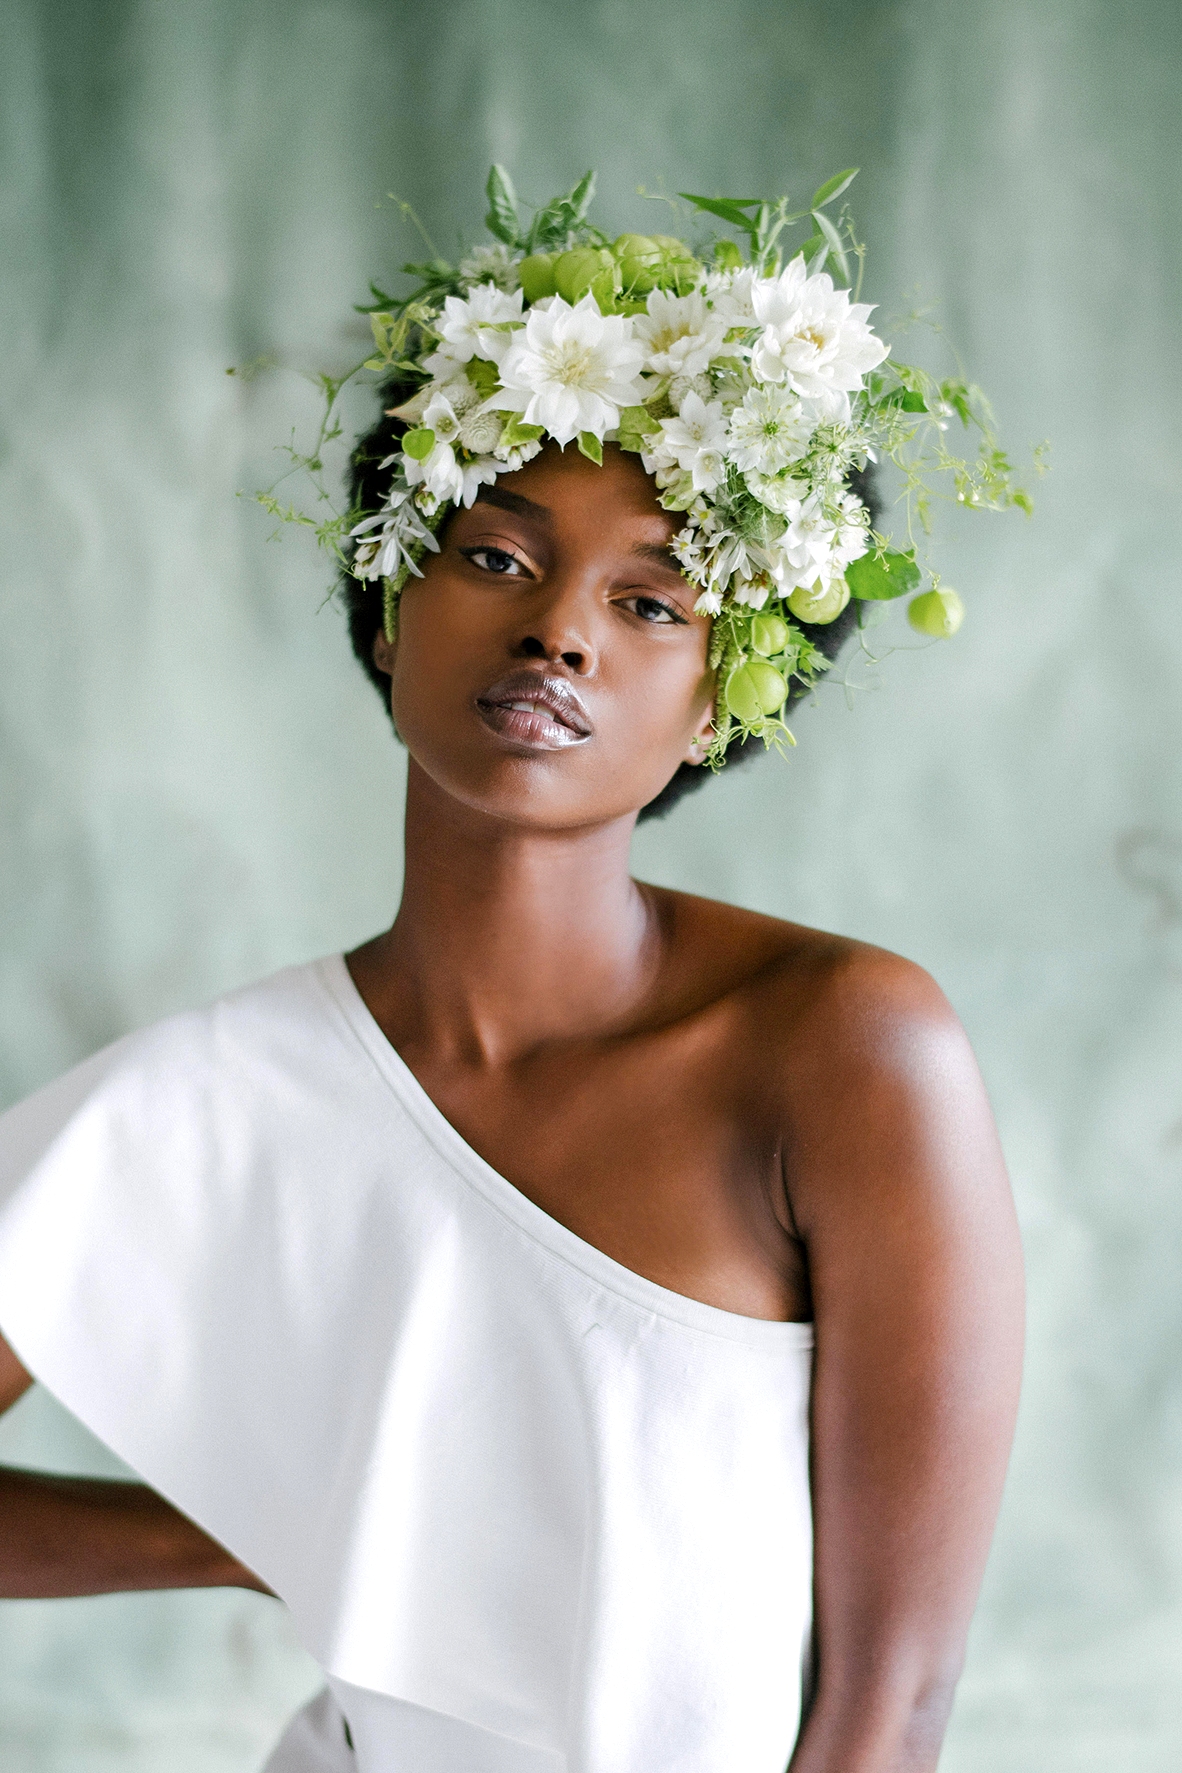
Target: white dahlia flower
{"points": [[468, 327], [570, 369], [770, 430], [813, 336], [680, 334]]}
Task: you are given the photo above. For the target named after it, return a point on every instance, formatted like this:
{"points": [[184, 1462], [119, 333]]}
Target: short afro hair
{"points": [[363, 598]]}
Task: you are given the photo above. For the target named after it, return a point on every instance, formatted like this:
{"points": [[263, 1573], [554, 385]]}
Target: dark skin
{"points": [[781, 1123]]}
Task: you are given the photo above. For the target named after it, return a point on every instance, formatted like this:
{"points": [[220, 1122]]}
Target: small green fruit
{"points": [[938, 613], [754, 691], [813, 603], [769, 634], [537, 276], [587, 268]]}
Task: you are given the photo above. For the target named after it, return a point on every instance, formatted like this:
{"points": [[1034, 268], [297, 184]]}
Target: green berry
{"points": [[813, 603], [537, 276], [938, 613], [587, 268], [769, 634], [754, 691]]}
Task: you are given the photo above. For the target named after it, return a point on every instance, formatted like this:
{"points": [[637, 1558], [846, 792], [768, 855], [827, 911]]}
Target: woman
{"points": [[466, 1289]]}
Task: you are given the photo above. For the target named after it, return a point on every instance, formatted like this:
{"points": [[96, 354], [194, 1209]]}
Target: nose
{"points": [[561, 633]]}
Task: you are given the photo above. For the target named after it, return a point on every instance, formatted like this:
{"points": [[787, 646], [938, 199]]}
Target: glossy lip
{"points": [[557, 719]]}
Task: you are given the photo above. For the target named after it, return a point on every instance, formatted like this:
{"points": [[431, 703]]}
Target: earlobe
{"points": [[383, 653]]}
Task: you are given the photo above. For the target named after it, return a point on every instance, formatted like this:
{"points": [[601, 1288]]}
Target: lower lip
{"points": [[537, 731]]}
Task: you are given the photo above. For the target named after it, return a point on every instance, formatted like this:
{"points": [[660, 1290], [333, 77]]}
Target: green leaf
{"points": [[637, 424], [501, 219], [591, 447], [419, 443], [877, 577], [834, 187], [729, 209], [561, 216], [483, 375], [833, 241], [516, 432], [816, 251], [579, 200]]}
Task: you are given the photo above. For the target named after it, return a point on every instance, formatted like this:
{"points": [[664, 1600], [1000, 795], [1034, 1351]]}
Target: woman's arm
{"points": [[76, 1536], [898, 1190]]}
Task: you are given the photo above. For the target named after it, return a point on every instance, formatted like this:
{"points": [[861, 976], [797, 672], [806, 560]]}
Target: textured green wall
{"points": [[198, 786]]}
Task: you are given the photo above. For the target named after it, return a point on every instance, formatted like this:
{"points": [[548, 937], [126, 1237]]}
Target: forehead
{"points": [[565, 490]]}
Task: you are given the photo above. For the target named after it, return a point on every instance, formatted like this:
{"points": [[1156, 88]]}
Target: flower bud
{"points": [[536, 275], [818, 603], [754, 691], [938, 613], [769, 634]]}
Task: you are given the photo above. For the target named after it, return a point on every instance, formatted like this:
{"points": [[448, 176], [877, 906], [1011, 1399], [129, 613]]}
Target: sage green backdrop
{"points": [[199, 786]]}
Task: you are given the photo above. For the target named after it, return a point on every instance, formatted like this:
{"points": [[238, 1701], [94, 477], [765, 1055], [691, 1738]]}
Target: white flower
{"points": [[570, 369], [696, 441], [481, 472], [729, 294], [440, 416], [438, 474], [481, 432], [402, 532], [813, 337], [494, 264], [779, 492], [708, 604], [821, 540], [455, 388], [769, 430], [469, 328], [680, 334]]}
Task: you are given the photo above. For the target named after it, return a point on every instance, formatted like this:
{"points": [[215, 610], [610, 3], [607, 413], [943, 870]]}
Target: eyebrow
{"points": [[658, 552], [511, 501]]}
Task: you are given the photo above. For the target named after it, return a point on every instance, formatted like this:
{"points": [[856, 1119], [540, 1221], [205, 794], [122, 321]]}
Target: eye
{"points": [[495, 560], [654, 610]]}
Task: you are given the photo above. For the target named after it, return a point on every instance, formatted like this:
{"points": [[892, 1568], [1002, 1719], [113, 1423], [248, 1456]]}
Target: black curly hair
{"points": [[363, 598]]}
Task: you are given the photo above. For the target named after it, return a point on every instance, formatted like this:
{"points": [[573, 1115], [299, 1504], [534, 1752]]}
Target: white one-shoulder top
{"points": [[531, 1512]]}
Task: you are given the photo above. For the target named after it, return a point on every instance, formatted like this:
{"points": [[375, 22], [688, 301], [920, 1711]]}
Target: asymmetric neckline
{"points": [[524, 1214]]}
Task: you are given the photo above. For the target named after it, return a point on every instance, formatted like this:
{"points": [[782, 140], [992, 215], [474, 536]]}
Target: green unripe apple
{"points": [[587, 268], [754, 691], [537, 276], [769, 634], [938, 613], [818, 604]]}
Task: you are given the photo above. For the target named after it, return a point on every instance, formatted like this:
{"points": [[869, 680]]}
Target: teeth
{"points": [[529, 708]]}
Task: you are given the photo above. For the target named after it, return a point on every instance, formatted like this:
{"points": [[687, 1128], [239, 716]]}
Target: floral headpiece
{"points": [[751, 389]]}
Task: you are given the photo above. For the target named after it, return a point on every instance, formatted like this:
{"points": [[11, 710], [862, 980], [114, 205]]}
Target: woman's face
{"points": [[549, 668]]}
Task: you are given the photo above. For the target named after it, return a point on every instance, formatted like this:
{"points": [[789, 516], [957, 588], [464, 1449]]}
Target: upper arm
{"points": [[899, 1193], [14, 1380]]}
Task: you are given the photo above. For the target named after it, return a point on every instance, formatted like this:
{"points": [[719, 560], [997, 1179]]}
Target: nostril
{"points": [[574, 660], [532, 647]]}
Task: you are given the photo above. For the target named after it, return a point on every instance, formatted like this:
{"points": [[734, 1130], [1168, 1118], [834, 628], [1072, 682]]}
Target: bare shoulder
{"points": [[802, 983]]}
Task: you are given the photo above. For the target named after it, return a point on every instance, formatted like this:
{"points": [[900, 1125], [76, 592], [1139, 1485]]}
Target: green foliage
{"points": [[883, 574], [501, 219]]}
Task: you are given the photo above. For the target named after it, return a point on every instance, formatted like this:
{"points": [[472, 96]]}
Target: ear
{"points": [[700, 742], [383, 653]]}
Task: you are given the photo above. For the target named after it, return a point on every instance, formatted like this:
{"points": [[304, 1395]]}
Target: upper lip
{"points": [[554, 694]]}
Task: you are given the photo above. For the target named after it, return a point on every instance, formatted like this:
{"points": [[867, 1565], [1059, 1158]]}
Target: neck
{"points": [[509, 938]]}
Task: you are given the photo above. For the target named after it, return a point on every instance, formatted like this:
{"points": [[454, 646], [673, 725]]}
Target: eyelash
{"points": [[472, 554]]}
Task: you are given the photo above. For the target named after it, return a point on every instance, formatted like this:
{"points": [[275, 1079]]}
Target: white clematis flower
{"points": [[814, 338], [696, 441], [770, 430], [680, 334], [468, 327], [570, 370]]}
